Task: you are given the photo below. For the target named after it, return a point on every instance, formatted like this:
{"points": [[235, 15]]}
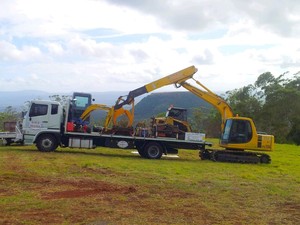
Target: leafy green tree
{"points": [[62, 99], [273, 103], [294, 134], [280, 105], [281, 110], [207, 121], [244, 101]]}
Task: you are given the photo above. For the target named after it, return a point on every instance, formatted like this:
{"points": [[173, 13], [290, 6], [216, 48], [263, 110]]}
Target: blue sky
{"points": [[114, 45]]}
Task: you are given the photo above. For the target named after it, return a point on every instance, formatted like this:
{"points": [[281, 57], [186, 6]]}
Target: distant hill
{"points": [[156, 103], [17, 99]]}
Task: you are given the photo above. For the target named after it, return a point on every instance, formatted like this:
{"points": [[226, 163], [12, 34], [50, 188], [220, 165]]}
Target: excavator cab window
{"points": [[177, 113], [80, 102], [237, 131]]}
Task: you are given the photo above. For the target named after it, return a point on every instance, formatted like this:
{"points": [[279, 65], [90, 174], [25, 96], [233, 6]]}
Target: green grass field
{"points": [[107, 186]]}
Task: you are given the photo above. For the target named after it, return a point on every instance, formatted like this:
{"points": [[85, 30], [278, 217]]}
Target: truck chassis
{"points": [[151, 148]]}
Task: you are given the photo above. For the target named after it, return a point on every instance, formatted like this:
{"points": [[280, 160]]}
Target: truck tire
{"points": [[7, 141], [46, 143], [153, 150], [141, 151], [204, 154]]}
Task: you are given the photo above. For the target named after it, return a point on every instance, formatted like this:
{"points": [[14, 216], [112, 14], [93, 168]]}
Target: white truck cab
{"points": [[43, 115]]}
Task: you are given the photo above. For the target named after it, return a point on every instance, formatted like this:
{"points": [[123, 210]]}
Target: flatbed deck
{"points": [[129, 142], [4, 135]]}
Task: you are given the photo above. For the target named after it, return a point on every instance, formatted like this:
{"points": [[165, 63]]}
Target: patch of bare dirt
{"points": [[43, 217], [83, 188], [66, 188], [88, 201], [4, 192], [103, 171], [292, 210]]}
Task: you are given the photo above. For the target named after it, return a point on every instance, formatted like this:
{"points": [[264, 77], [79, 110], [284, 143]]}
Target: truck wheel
{"points": [[7, 142], [153, 150], [141, 151], [204, 154], [46, 143]]}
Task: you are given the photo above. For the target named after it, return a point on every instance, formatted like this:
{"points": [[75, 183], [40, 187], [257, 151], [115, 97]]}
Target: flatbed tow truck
{"points": [[49, 125]]}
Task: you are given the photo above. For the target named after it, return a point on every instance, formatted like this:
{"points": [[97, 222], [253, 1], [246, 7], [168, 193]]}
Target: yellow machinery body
{"points": [[240, 133]]}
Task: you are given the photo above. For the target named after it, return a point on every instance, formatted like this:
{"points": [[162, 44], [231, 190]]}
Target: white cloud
{"points": [[64, 18], [194, 15], [97, 45], [54, 48], [9, 52]]}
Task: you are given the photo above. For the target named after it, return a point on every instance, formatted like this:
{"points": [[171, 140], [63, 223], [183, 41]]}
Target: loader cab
{"points": [[80, 101], [237, 131], [178, 117], [177, 113]]}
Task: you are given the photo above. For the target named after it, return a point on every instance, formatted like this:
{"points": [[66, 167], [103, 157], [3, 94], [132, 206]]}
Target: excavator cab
{"points": [[237, 131], [240, 133], [80, 102]]}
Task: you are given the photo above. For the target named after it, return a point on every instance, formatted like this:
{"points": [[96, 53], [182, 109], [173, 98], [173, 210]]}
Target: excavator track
{"points": [[234, 156]]}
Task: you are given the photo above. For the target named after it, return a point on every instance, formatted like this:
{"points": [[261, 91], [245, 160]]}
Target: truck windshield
{"points": [[227, 128], [82, 101]]}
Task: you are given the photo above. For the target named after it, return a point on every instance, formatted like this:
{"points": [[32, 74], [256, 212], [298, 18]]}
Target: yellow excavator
{"points": [[112, 114], [237, 133]]}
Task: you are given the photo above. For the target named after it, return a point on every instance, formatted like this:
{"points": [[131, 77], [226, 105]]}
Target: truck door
{"points": [[37, 116]]}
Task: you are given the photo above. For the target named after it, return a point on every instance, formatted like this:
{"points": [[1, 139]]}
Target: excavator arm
{"points": [[87, 112], [179, 79], [210, 97], [112, 114], [238, 133], [175, 78]]}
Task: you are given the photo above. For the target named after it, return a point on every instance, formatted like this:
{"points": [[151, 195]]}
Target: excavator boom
{"points": [[212, 98], [219, 103], [175, 78]]}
